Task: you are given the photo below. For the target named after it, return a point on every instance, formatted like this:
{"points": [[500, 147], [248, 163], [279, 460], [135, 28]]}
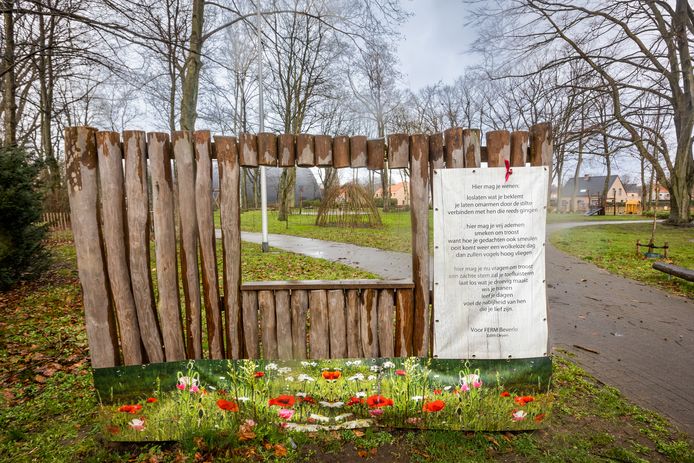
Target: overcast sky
{"points": [[435, 45]]}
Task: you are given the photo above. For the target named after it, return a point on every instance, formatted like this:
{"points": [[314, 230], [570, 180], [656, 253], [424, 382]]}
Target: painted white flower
{"points": [[222, 378], [137, 424], [331, 404], [353, 363], [372, 378], [447, 388], [388, 364], [212, 388], [519, 415], [304, 377], [360, 394], [375, 368], [187, 381], [301, 394], [289, 379], [343, 416], [417, 398], [243, 399], [317, 417], [357, 377], [271, 366], [304, 363], [471, 378], [284, 370]]}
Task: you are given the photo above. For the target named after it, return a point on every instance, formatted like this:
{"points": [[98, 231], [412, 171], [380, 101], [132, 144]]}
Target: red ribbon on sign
{"points": [[509, 171]]}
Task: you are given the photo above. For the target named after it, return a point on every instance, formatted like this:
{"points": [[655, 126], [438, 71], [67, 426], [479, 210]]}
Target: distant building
{"points": [[589, 193], [399, 192]]}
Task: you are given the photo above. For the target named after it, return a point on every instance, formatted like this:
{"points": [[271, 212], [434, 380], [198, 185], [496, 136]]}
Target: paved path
{"points": [[627, 334]]}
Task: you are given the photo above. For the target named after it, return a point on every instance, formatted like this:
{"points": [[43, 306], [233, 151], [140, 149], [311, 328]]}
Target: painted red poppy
{"points": [[378, 401], [434, 406], [259, 374], [400, 372], [132, 409], [437, 391], [505, 394], [539, 418], [282, 401], [522, 400], [308, 399], [331, 375], [228, 405], [151, 400], [355, 401]]}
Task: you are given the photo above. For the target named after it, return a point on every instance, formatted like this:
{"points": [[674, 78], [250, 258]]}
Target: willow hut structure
{"points": [[349, 206]]}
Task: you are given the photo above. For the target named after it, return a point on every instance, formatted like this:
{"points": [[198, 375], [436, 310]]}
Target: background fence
{"points": [[135, 313]]}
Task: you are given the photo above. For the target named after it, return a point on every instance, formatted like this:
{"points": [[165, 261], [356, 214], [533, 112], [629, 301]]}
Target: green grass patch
{"points": [[561, 218], [613, 247]]}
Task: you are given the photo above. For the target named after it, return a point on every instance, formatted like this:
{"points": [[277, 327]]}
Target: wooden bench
{"points": [[675, 270]]}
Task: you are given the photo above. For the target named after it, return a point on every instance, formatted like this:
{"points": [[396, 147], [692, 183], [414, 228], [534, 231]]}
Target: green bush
{"points": [[21, 235], [661, 214]]}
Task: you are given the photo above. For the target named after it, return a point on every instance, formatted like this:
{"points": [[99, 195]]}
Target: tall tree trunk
{"points": [[191, 78], [577, 172], [608, 165], [285, 193], [9, 84]]}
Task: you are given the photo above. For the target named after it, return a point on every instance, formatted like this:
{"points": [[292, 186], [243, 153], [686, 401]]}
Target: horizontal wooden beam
{"points": [[326, 284], [675, 270]]}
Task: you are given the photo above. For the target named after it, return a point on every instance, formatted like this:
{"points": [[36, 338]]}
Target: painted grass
{"points": [[48, 407], [561, 218], [613, 247]]}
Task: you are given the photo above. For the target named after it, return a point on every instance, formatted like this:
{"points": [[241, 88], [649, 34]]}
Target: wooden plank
{"points": [[268, 324], [299, 307], [368, 322], [471, 147], [168, 305], [80, 153], [455, 154], [324, 150], [519, 148], [338, 323], [340, 151], [230, 222], [204, 205], [386, 323], [436, 151], [305, 151], [110, 162], [674, 270], [541, 145], [267, 149], [286, 149], [249, 307], [398, 151], [319, 335], [357, 151], [353, 330], [498, 148], [283, 316], [325, 284], [375, 153], [137, 201], [248, 150], [404, 322], [188, 241], [419, 191]]}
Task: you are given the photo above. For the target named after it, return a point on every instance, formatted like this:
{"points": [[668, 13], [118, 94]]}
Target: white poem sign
{"points": [[489, 263]]}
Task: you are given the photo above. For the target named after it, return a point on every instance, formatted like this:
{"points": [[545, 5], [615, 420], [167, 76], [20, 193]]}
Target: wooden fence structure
{"points": [[108, 191], [56, 221]]}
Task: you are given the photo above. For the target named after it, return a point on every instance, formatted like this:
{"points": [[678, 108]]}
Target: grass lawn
{"points": [[560, 218], [613, 247], [48, 406]]}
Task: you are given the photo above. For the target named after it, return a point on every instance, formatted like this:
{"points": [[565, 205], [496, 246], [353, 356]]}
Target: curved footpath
{"points": [[634, 337]]}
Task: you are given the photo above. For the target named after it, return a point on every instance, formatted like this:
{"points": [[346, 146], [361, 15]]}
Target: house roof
{"points": [[632, 188], [589, 184], [393, 188]]}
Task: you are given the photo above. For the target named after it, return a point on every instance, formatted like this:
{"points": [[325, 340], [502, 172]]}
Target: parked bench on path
{"points": [[675, 270]]}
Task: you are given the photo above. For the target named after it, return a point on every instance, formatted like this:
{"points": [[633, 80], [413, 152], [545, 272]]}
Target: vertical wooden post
{"points": [[375, 153], [249, 304], [353, 338], [267, 149], [404, 320], [419, 190], [80, 152], [455, 155], [137, 197], [541, 150], [357, 151], [386, 323], [248, 150], [519, 148], [283, 317], [498, 148], [319, 334], [112, 206], [230, 221], [268, 320], [169, 305], [286, 150], [398, 151], [304, 151], [208, 243], [368, 322], [185, 177], [324, 150], [338, 323], [472, 147], [299, 303], [340, 151]]}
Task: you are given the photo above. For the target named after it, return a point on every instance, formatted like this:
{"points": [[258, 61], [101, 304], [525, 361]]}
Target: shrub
{"points": [[21, 250]]}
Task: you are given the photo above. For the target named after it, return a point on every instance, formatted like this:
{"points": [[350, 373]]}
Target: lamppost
{"points": [[614, 201]]}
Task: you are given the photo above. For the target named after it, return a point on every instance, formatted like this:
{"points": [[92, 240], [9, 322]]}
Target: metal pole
{"points": [[265, 246]]}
